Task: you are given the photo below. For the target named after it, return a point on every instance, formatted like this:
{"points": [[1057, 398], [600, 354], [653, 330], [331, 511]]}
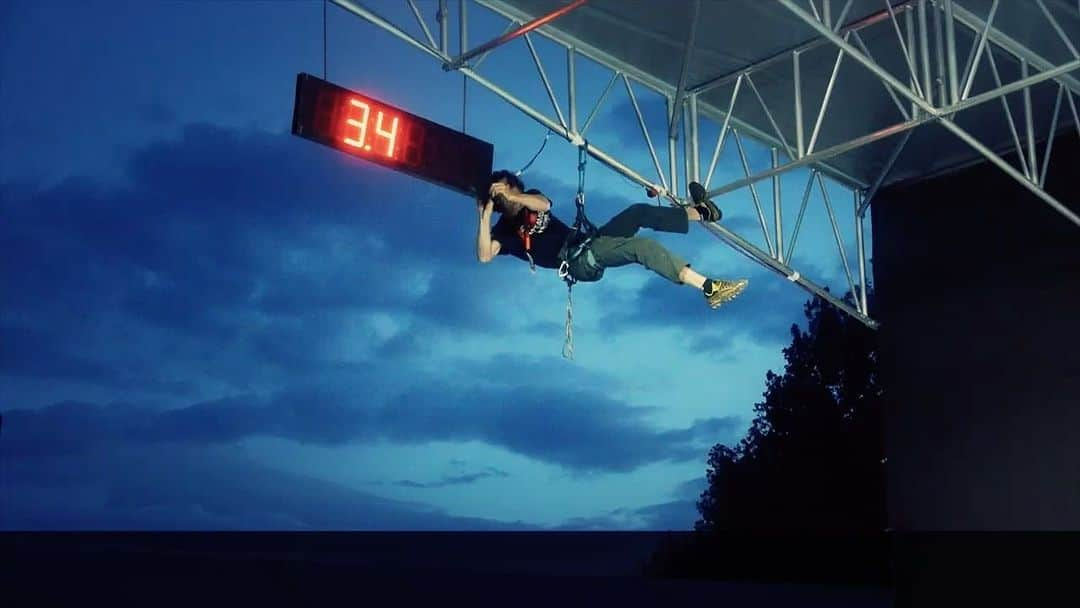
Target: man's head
{"points": [[511, 180]]}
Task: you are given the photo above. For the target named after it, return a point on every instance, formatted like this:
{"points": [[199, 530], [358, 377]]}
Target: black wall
{"points": [[978, 286], [979, 291]]}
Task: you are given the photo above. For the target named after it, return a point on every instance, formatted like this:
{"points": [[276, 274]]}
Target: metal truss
{"points": [[954, 87], [918, 102]]}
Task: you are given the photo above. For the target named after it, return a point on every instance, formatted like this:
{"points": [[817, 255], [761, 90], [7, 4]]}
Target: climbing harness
{"points": [[577, 260], [533, 222]]}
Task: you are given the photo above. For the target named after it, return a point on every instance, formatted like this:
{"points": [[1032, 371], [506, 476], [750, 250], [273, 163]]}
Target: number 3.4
{"points": [[361, 126]]}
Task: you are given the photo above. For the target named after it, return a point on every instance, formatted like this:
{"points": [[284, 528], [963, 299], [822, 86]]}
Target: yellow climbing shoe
{"points": [[719, 291]]}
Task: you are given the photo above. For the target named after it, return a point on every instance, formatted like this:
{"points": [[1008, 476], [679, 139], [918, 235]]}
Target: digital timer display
{"points": [[376, 131]]}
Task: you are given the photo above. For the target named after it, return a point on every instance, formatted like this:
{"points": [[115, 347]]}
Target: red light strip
{"points": [[521, 31]]}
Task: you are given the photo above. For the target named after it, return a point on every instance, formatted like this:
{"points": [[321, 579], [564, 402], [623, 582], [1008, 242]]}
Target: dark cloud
{"points": [[30, 352], [616, 519], [719, 346], [248, 244], [309, 415], [68, 428], [679, 514], [578, 429], [404, 344], [675, 515], [455, 480], [119, 487], [510, 370], [692, 488]]}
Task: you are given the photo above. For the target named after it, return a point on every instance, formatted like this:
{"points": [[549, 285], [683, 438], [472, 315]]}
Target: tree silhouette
{"points": [[808, 472], [812, 457]]}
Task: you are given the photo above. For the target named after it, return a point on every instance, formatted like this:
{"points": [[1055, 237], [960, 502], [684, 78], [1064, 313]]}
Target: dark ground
{"points": [[496, 569]]}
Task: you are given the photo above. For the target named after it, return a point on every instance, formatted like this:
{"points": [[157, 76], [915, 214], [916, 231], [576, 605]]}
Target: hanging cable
{"points": [[568, 345], [324, 39], [529, 164], [582, 225]]}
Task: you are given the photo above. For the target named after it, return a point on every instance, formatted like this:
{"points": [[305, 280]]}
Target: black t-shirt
{"points": [[547, 238]]}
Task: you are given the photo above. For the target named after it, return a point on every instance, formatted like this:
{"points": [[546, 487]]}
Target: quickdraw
{"points": [[576, 245]]}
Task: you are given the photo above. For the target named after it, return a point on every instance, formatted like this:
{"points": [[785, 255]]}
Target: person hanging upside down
{"points": [[528, 229]]}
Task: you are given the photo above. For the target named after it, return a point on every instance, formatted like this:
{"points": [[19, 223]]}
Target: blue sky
{"points": [[210, 323]]}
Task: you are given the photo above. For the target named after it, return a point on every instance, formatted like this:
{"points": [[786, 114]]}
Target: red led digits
{"points": [[390, 135], [358, 125], [361, 124]]}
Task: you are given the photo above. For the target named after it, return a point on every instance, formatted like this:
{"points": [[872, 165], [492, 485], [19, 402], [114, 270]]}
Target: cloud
{"points": [[89, 466], [78, 465], [491, 371], [30, 352], [260, 244], [455, 480], [242, 284], [691, 488], [245, 254], [678, 514], [615, 519], [580, 430], [119, 487], [673, 515]]}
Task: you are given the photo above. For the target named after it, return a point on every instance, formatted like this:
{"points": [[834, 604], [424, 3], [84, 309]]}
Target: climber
{"points": [[529, 230]]}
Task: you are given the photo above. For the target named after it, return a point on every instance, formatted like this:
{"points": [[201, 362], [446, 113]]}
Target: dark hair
{"points": [[512, 180]]}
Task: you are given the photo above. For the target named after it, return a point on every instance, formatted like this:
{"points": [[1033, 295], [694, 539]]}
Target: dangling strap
{"points": [[568, 346], [581, 225], [581, 222]]}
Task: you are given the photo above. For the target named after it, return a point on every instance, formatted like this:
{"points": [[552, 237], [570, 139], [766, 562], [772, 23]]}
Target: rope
{"points": [[582, 157], [324, 39], [580, 222], [568, 346], [529, 164]]}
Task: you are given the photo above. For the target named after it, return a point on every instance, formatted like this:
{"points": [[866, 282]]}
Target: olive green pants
{"points": [[617, 243]]}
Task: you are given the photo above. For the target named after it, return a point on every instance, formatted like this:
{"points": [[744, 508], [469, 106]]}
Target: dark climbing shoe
{"points": [[708, 210]]}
